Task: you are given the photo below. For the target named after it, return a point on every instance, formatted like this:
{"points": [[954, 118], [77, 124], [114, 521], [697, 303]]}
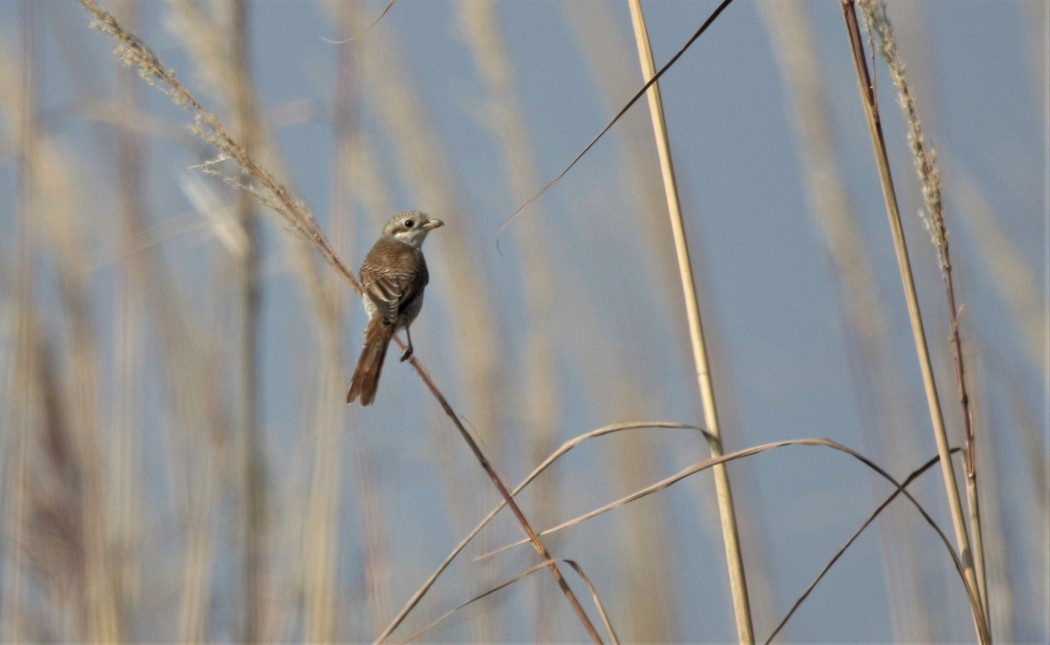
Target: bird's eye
{"points": [[409, 223]]}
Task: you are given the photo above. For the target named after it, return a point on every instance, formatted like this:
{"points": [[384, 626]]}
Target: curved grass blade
{"points": [[849, 542], [522, 576], [754, 450], [561, 451], [608, 126], [363, 31]]}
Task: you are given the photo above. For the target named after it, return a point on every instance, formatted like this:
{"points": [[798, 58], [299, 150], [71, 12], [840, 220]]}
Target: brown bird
{"points": [[393, 277]]}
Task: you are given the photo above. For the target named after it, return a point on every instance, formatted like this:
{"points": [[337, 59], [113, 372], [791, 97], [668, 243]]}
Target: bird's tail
{"points": [[366, 377]]}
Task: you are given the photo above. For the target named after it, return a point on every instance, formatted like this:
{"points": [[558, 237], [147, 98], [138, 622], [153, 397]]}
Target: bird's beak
{"points": [[432, 224]]}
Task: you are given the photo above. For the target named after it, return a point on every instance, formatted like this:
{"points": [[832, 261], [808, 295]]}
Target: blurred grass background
{"points": [[178, 463]]}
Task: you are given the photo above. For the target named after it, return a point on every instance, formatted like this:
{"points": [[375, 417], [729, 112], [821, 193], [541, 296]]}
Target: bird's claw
{"points": [[406, 354]]}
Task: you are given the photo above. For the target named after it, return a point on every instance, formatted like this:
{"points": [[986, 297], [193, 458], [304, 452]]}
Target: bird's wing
{"points": [[392, 278]]}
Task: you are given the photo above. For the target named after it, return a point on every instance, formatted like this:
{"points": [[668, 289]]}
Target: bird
{"points": [[393, 276]]}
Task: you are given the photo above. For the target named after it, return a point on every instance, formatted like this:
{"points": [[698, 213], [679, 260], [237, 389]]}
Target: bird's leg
{"points": [[405, 355]]}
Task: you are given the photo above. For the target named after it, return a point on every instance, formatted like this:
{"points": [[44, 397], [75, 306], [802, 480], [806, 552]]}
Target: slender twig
{"points": [[940, 434], [273, 194], [723, 491]]}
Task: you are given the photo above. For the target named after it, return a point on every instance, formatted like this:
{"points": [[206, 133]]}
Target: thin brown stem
{"points": [[504, 492]]}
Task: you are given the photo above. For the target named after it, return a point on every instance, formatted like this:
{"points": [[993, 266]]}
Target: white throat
{"points": [[413, 238]]}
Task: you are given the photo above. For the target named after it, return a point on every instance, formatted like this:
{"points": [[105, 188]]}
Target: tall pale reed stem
{"points": [[889, 194], [730, 536], [930, 177]]}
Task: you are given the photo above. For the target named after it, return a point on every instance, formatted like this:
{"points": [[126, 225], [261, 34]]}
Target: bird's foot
{"points": [[407, 354]]}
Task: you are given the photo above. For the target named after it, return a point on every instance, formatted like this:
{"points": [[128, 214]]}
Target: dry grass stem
{"points": [[870, 105], [20, 394], [354, 180], [540, 405], [727, 513], [925, 159], [126, 456], [253, 480]]}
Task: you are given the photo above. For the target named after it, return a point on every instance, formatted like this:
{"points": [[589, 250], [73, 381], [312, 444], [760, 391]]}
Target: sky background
{"points": [[579, 307]]}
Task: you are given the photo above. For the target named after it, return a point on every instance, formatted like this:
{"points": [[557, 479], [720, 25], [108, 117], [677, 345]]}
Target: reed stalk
{"points": [[723, 491], [871, 113], [926, 166]]}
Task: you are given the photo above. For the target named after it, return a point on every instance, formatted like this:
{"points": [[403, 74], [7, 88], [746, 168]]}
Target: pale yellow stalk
{"points": [[730, 536]]}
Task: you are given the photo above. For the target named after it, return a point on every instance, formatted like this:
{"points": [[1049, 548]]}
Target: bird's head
{"points": [[411, 227]]}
